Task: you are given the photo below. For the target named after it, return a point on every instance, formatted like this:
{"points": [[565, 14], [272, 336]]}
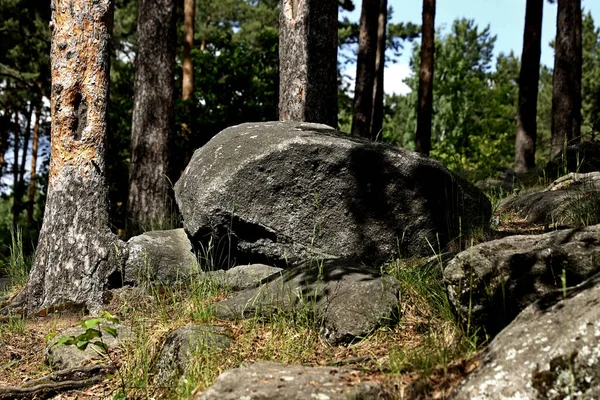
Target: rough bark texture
{"points": [[76, 253], [365, 69], [377, 113], [189, 10], [33, 168], [528, 88], [425, 110], [566, 94], [149, 201], [308, 61]]}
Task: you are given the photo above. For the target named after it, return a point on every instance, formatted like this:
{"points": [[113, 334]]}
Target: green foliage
{"points": [[590, 81], [474, 106]]}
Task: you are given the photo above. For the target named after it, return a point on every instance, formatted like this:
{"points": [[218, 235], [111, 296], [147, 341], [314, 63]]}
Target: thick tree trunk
{"points": [[308, 61], [77, 255], [528, 88], [425, 102], [189, 11], [378, 92], [33, 167], [566, 93], [365, 69], [149, 201]]}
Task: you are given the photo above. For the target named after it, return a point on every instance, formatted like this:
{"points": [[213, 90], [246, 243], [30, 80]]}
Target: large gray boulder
{"points": [[490, 283], [269, 380], [285, 192], [182, 345], [551, 351], [346, 301], [160, 256], [69, 356]]}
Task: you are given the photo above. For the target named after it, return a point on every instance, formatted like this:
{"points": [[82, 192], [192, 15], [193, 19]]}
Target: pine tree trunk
{"points": [[425, 105], [365, 69], [308, 61], [33, 167], [566, 93], [528, 88], [16, 144], [77, 255], [149, 200], [188, 44], [20, 184], [378, 88]]}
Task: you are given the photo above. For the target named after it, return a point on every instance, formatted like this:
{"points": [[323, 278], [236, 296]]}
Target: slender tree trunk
{"points": [[566, 93], [149, 202], [308, 61], [16, 199], [378, 92], [20, 183], [77, 255], [365, 69], [33, 168], [425, 105], [188, 44], [528, 88]]}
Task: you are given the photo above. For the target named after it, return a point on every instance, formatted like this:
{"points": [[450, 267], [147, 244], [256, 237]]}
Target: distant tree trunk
{"points": [[425, 105], [365, 69], [528, 88], [15, 169], [378, 93], [19, 186], [566, 93], [308, 61], [189, 10], [149, 200], [33, 168], [77, 255]]}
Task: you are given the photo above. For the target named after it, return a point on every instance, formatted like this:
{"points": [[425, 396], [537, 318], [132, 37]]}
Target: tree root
{"points": [[68, 379]]}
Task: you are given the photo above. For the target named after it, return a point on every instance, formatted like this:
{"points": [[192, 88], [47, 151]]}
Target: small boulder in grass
{"points": [[64, 354], [182, 345]]}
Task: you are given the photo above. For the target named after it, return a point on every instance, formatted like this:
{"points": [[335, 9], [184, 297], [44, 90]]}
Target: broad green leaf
{"points": [[91, 323], [65, 340], [110, 330], [82, 344]]}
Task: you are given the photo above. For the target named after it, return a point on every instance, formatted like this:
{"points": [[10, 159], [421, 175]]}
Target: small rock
{"points": [[244, 276], [182, 344], [550, 351], [160, 256], [490, 283], [268, 380], [348, 301], [69, 356]]}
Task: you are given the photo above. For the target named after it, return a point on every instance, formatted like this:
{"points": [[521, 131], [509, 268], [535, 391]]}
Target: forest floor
{"points": [[425, 356]]}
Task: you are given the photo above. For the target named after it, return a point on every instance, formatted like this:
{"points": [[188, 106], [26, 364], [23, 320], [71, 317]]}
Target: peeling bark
{"points": [[188, 44], [528, 88], [425, 107], [365, 69], [308, 61], [153, 126], [566, 92], [33, 167], [77, 254]]}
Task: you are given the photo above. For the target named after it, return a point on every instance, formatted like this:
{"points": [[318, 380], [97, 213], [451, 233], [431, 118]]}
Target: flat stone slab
{"points": [[347, 301], [268, 380], [244, 276]]}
